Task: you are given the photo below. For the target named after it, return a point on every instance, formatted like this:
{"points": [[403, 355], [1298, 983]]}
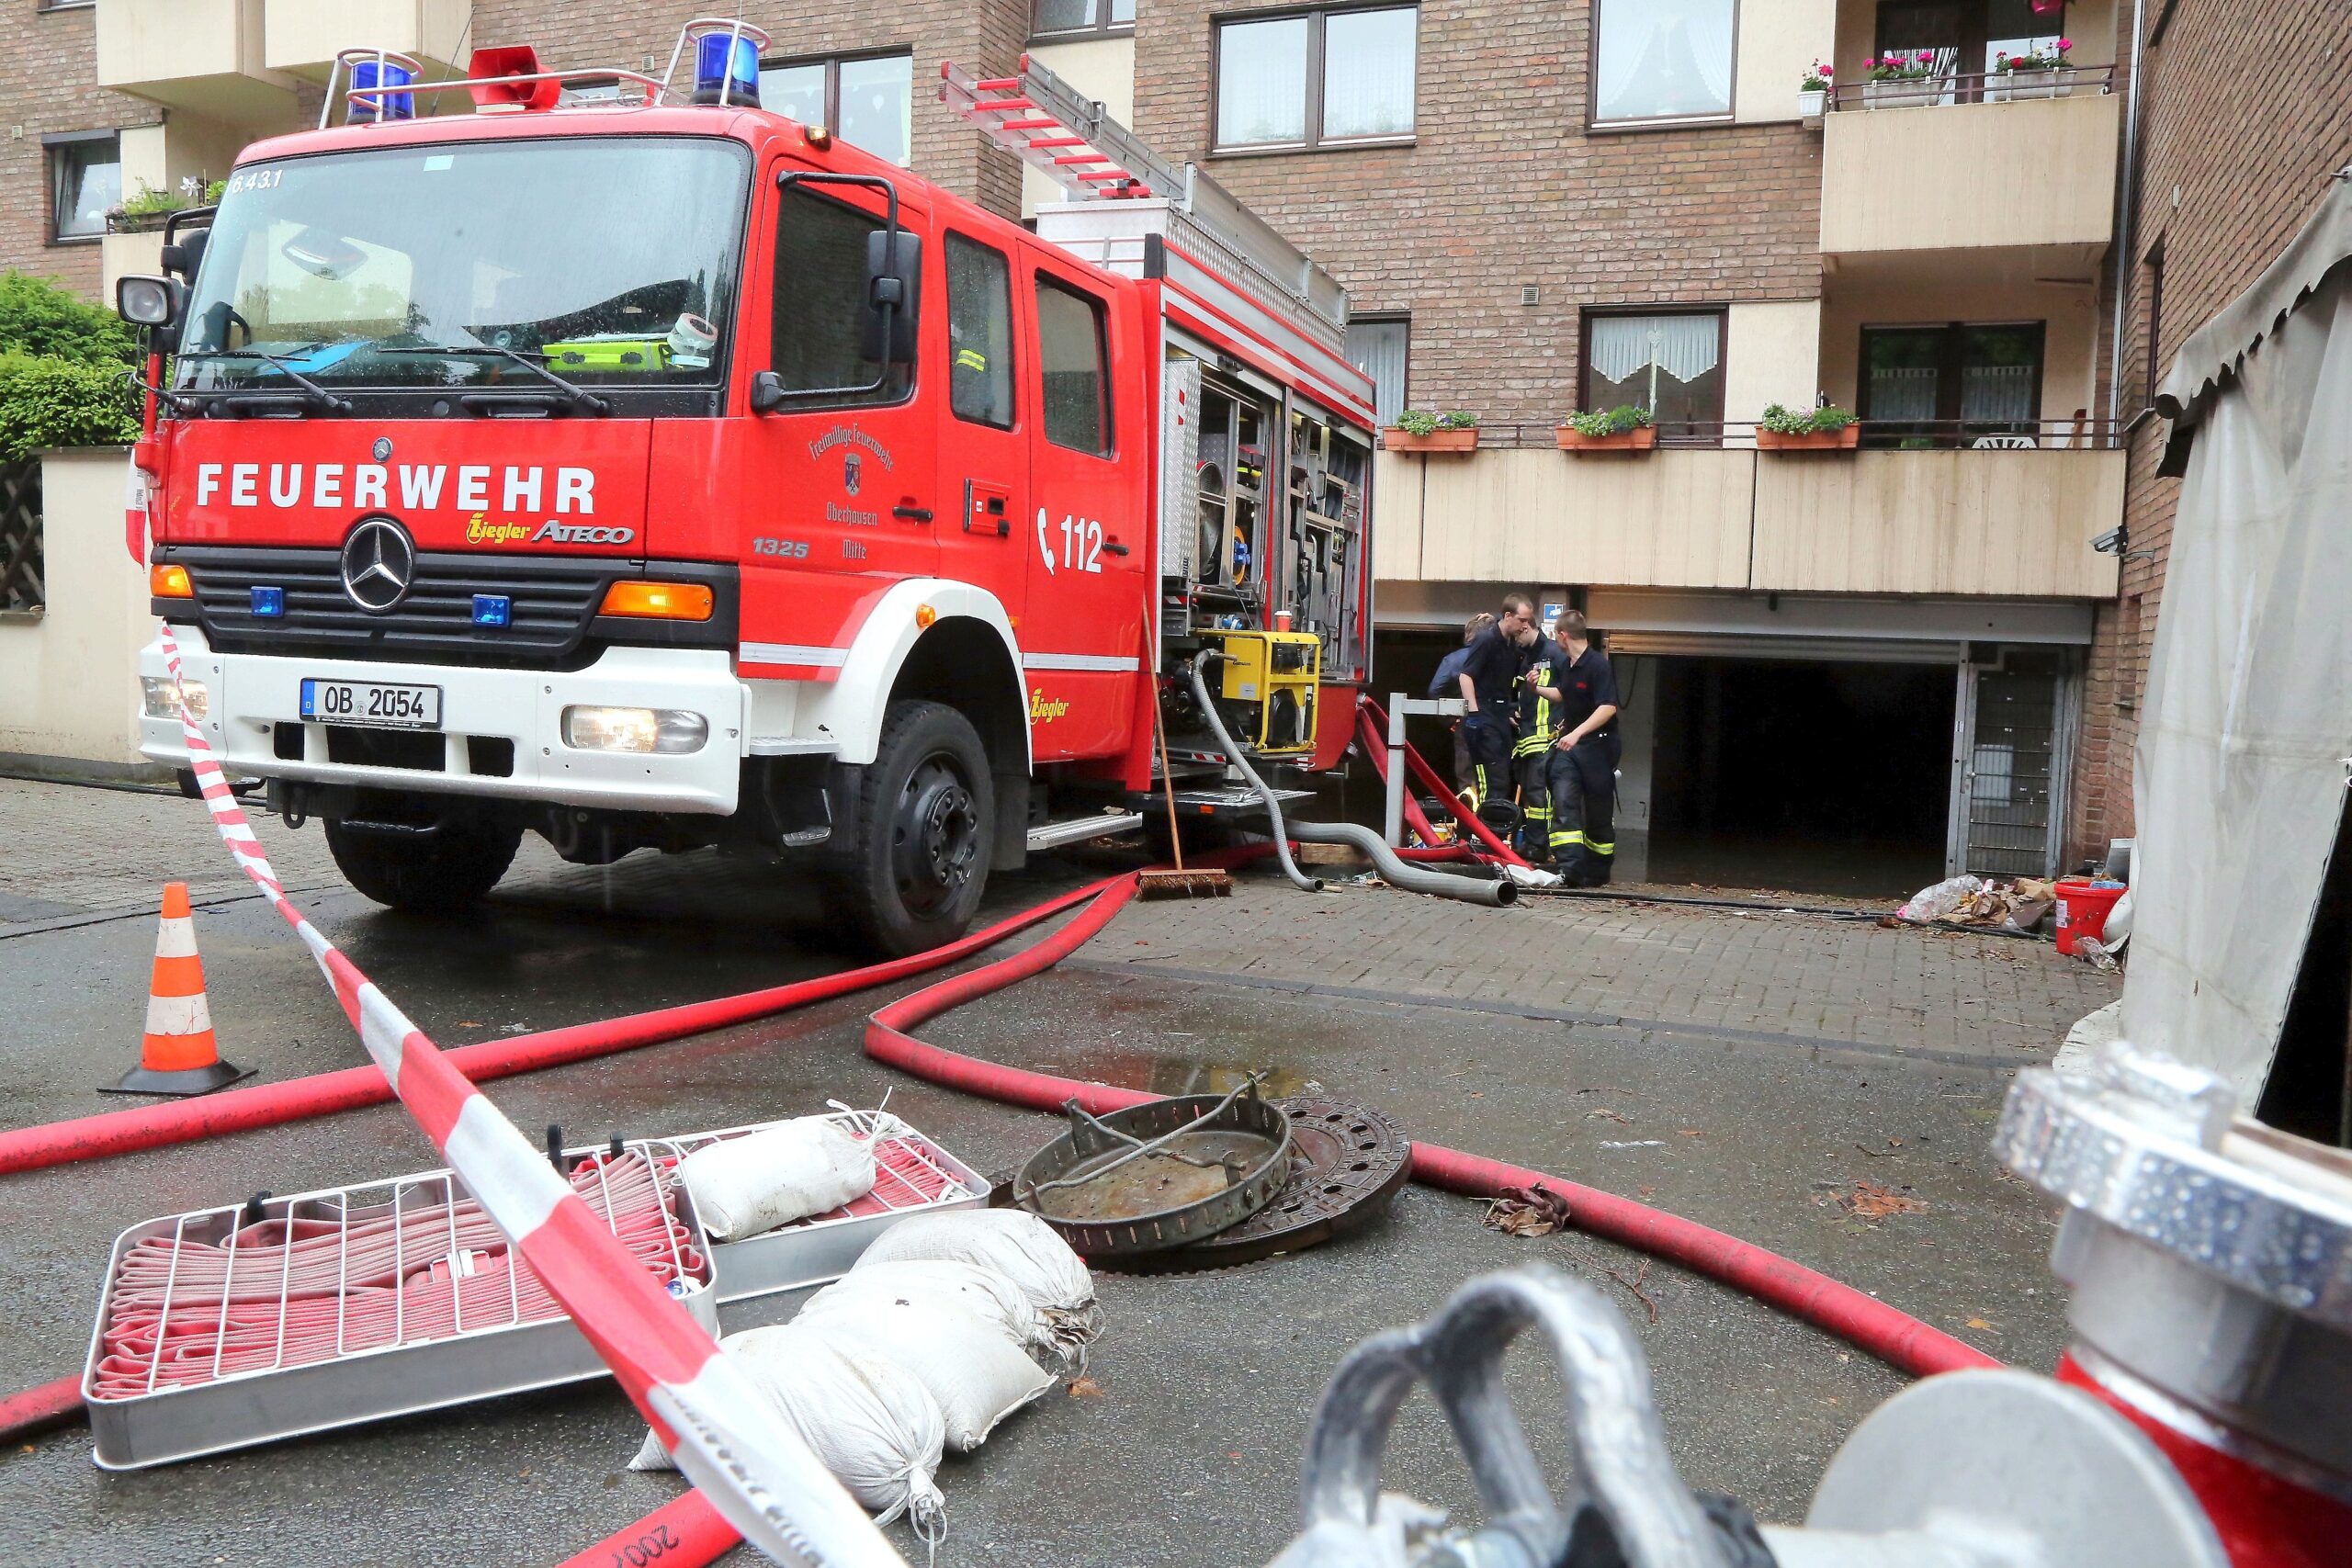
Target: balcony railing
{"points": [[2076, 435], [1992, 518], [1974, 87]]}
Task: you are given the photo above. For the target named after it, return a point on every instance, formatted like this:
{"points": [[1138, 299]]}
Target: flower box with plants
{"points": [[150, 209], [1813, 95], [1621, 429], [1825, 429], [1901, 79], [2042, 74], [1417, 430]]}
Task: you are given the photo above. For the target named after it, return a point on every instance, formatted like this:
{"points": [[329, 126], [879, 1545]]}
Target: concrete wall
{"points": [[2039, 172], [71, 682], [1771, 355], [306, 35], [1102, 68], [1779, 42]]}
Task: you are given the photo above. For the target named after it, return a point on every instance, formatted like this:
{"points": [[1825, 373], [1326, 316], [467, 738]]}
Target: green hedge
{"points": [[56, 402], [38, 317]]}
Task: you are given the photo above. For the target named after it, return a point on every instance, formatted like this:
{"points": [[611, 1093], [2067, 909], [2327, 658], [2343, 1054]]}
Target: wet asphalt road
{"points": [[1190, 1455]]}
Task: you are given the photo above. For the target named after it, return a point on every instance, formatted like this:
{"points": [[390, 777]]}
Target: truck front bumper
{"points": [[501, 734]]}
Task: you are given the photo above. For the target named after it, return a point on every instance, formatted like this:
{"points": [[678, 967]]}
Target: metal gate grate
{"points": [[2009, 771], [22, 585]]}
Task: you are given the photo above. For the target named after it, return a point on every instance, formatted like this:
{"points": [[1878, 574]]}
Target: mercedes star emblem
{"points": [[379, 565], [383, 447]]}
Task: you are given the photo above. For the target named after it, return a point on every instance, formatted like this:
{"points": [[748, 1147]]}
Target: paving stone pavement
{"points": [[1956, 999], [1813, 983]]}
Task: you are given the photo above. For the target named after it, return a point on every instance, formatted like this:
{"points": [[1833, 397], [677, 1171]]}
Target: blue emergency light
{"points": [[714, 81], [269, 602], [493, 610], [371, 76]]}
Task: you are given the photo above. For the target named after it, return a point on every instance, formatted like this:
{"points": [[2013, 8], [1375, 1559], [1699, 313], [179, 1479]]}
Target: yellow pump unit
{"points": [[1269, 683]]}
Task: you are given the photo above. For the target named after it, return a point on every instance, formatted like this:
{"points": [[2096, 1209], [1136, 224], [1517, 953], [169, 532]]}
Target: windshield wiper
{"points": [[313, 395], [574, 395]]}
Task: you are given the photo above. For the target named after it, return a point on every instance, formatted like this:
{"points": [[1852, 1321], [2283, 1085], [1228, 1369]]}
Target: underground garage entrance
{"points": [[1826, 778]]}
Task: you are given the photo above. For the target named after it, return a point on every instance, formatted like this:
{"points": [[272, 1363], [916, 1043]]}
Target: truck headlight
{"points": [[164, 697], [670, 731]]}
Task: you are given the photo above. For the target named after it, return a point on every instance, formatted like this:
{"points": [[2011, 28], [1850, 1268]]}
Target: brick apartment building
{"points": [[1845, 670]]}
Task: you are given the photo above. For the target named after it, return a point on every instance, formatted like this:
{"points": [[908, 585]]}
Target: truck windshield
{"points": [[609, 259]]}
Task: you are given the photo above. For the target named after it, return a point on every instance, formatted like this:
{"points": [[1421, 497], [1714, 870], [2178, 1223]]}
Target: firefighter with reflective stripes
{"points": [[1581, 767], [1489, 682], [1538, 725]]}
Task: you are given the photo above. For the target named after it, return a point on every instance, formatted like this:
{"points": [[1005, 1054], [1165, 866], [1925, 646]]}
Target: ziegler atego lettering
{"points": [[419, 486]]}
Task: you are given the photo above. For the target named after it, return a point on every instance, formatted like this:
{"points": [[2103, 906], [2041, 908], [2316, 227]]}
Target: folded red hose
{"points": [[268, 1105], [1371, 719]]}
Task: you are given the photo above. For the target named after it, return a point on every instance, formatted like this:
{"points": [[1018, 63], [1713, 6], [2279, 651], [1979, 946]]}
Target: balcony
{"points": [[2012, 521], [304, 36], [1957, 167], [205, 57]]}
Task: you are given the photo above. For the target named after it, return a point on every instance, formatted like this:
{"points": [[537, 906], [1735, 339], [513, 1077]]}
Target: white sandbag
{"points": [[754, 1183], [1010, 1242], [972, 1365], [983, 1292], [871, 1421]]}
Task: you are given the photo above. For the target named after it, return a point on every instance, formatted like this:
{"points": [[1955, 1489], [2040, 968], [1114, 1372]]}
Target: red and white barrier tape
{"points": [[755, 1469]]}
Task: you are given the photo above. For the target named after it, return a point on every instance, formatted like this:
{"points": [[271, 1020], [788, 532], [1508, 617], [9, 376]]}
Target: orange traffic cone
{"points": [[178, 1054]]}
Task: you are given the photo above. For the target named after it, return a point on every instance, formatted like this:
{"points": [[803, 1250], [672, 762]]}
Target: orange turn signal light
{"points": [[169, 582], [658, 601]]}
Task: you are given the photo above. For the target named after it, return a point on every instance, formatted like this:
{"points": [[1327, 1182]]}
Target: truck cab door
{"points": [[1086, 531], [837, 479], [984, 430]]}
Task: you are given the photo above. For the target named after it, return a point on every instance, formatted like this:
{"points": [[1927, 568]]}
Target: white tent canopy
{"points": [[2241, 769]]}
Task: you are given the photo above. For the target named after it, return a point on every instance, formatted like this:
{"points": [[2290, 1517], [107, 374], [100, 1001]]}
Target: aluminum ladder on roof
{"points": [[1057, 131]]}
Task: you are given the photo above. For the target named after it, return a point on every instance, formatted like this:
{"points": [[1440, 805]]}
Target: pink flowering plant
{"points": [[1817, 79], [2049, 57], [1901, 65]]}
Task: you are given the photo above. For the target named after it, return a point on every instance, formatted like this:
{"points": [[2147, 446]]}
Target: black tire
{"points": [[910, 861], [434, 873]]}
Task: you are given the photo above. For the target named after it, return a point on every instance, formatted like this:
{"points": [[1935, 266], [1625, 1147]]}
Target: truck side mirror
{"points": [[155, 303], [181, 258], [767, 392], [893, 286]]}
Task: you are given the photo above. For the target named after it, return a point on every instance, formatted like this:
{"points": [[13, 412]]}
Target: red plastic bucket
{"points": [[2082, 910]]}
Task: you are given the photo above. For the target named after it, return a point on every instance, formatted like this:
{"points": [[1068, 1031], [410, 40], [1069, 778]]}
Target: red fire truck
{"points": [[646, 469]]}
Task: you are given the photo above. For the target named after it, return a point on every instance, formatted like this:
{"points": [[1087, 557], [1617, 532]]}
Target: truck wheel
{"points": [[910, 869], [427, 872]]}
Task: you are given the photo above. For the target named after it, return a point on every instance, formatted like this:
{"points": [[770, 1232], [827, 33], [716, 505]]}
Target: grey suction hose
{"points": [[1495, 895], [1273, 807], [1412, 878]]}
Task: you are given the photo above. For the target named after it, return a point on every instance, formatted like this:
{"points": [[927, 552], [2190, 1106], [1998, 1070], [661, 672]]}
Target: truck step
{"points": [[1078, 829]]}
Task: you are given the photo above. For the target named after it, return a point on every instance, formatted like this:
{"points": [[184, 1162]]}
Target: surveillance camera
{"points": [[2111, 543]]}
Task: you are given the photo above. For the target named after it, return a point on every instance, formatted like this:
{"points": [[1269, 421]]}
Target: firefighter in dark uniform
{"points": [[1581, 764], [1537, 717], [1489, 682]]}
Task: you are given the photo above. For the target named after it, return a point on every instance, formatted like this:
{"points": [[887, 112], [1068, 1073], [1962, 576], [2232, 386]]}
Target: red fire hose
{"points": [[1893, 1336]]}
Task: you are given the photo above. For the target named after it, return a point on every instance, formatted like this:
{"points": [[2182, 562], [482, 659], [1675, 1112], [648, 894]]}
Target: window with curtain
{"points": [[866, 100], [1662, 59], [85, 178], [1323, 78], [1671, 364], [1377, 347], [1950, 384]]}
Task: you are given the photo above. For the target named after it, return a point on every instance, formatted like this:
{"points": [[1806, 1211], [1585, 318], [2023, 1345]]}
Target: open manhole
{"points": [[1347, 1162]]}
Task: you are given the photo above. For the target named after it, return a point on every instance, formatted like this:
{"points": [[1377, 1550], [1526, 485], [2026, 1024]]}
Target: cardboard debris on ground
{"points": [[2017, 906], [1527, 1212]]}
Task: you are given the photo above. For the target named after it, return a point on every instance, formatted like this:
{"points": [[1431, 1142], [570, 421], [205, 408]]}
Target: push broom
{"points": [[1177, 883]]}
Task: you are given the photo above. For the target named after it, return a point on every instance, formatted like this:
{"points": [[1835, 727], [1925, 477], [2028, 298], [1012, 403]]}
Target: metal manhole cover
{"points": [[1347, 1162]]}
